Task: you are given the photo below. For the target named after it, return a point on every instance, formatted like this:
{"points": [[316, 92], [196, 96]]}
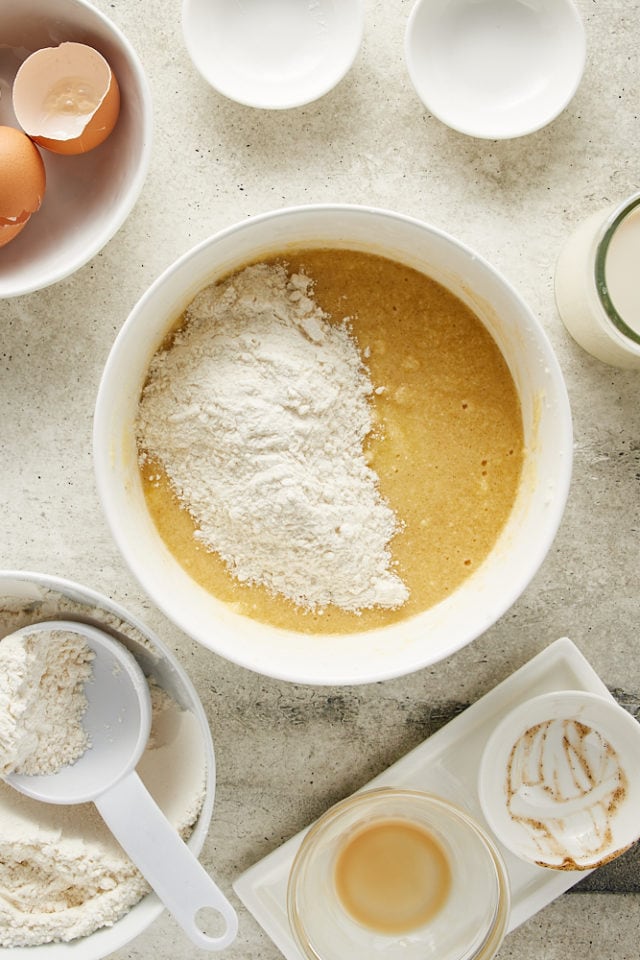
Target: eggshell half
{"points": [[22, 182], [66, 98], [9, 231]]}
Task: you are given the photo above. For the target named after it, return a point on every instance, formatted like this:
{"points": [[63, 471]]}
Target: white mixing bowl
{"points": [[405, 646]]}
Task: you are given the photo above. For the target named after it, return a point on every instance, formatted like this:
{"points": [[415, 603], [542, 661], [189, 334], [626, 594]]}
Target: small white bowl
{"points": [[495, 68], [273, 54], [407, 645], [559, 780], [87, 197], [44, 597]]}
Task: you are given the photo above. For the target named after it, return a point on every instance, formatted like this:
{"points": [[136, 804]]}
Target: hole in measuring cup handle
{"points": [[212, 926], [212, 923]]}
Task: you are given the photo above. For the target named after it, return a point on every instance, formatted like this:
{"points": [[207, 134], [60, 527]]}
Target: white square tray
{"points": [[445, 764]]}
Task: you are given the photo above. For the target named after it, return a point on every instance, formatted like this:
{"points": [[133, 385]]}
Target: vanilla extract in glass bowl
{"points": [[397, 873]]}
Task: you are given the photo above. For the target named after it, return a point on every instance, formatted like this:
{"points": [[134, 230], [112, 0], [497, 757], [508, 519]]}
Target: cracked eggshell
{"points": [[66, 98], [22, 182]]}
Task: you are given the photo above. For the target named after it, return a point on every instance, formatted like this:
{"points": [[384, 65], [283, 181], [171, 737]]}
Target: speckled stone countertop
{"points": [[285, 752]]}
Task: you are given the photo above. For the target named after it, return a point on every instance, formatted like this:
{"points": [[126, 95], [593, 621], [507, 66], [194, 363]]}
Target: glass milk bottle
{"points": [[597, 284]]}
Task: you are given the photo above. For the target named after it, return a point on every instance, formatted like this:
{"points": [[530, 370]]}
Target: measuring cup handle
{"points": [[166, 862]]}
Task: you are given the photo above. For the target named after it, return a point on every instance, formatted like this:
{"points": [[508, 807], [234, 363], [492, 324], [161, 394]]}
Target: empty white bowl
{"points": [[272, 54], [495, 68], [87, 197], [407, 645], [559, 780]]}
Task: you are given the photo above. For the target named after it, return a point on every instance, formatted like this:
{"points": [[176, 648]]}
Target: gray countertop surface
{"points": [[286, 752]]}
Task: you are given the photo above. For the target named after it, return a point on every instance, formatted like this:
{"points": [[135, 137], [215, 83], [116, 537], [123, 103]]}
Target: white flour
{"points": [[62, 874], [42, 701], [258, 413]]}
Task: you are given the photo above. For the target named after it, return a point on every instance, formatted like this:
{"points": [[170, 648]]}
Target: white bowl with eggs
{"points": [[395, 649], [87, 197], [27, 597]]}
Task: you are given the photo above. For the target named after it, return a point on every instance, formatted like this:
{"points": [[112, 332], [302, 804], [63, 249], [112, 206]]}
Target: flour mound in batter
{"points": [[258, 412]]}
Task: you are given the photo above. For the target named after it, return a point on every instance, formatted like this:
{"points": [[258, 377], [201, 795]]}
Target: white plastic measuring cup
{"points": [[118, 721]]}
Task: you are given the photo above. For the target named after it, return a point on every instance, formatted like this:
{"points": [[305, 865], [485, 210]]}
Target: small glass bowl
{"points": [[471, 923]]}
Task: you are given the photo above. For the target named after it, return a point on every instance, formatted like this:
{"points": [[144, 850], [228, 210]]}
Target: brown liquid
{"points": [[448, 444], [392, 876]]}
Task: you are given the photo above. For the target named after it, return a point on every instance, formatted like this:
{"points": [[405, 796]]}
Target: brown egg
{"points": [[66, 98], [22, 182]]}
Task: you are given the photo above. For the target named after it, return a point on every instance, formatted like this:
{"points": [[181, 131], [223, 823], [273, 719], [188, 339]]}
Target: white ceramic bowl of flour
{"points": [[27, 597], [406, 646]]}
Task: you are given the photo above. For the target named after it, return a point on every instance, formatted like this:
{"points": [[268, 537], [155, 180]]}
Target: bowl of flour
{"points": [[333, 444], [65, 884]]}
